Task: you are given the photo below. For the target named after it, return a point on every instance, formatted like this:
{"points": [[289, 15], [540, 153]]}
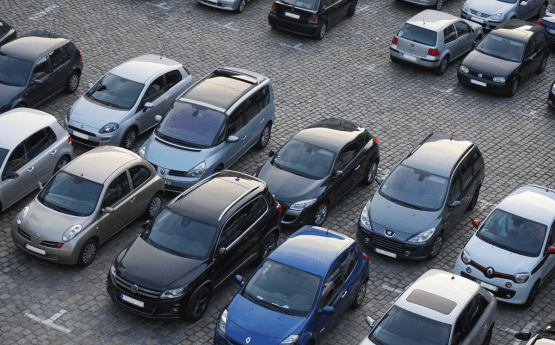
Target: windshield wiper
{"points": [[105, 102], [268, 305], [404, 203], [60, 208]]}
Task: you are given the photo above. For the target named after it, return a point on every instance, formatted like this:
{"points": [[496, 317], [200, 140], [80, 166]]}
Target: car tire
{"points": [[474, 200], [514, 87], [322, 32], [438, 5], [218, 169], [543, 9], [129, 138], [154, 207], [543, 64], [241, 6], [267, 247], [361, 294], [321, 214], [62, 162], [197, 304], [352, 8], [72, 82], [532, 295], [371, 173], [487, 339], [264, 137], [87, 253], [442, 66], [438, 244]]}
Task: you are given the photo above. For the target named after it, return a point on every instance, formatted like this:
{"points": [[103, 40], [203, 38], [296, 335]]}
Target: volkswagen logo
{"points": [[134, 288], [389, 233], [37, 235], [489, 272], [162, 171], [480, 75], [248, 340]]}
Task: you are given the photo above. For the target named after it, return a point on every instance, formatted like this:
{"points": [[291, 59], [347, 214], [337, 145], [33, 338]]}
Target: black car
{"points": [[309, 17], [505, 57], [545, 336], [317, 167], [422, 198], [200, 239], [7, 33], [34, 69]]}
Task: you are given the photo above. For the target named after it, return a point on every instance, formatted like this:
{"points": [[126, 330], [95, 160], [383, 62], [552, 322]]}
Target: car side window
{"points": [[172, 78], [349, 263], [252, 109], [236, 121], [139, 174], [474, 313], [221, 135], [18, 158], [51, 136], [550, 239], [348, 153], [117, 190], [476, 159], [58, 57], [530, 47], [154, 90], [455, 189], [449, 34], [264, 97], [541, 40], [253, 210], [332, 284], [458, 330], [37, 143], [462, 29], [466, 171], [41, 68], [232, 229]]}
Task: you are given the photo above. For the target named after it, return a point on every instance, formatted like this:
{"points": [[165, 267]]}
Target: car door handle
{"points": [[132, 200], [344, 294], [53, 152], [245, 137], [261, 120], [30, 169], [357, 167]]}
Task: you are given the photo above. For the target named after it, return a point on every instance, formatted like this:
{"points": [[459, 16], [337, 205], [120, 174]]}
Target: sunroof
{"points": [[432, 301]]}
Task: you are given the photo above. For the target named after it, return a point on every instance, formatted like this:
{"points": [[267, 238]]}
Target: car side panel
{"points": [[480, 330]]}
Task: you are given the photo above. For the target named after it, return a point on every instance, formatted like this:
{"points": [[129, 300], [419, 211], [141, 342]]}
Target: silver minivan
{"points": [[491, 13], [33, 146]]}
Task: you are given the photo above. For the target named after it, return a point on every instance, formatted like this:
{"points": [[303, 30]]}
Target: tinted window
{"points": [[173, 78], [18, 158], [118, 189], [236, 121], [59, 57], [308, 4], [304, 159], [348, 153], [467, 320], [332, 284], [348, 262], [502, 48], [449, 34], [51, 136], [116, 91], [139, 174], [232, 230], [455, 189], [418, 34], [41, 67], [476, 159], [252, 109], [3, 29], [530, 47], [462, 29], [466, 171], [13, 71], [37, 143], [540, 40], [254, 210], [265, 97], [154, 90]]}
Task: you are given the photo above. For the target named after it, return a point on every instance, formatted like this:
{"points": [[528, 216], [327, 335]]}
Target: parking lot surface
{"points": [[349, 75]]}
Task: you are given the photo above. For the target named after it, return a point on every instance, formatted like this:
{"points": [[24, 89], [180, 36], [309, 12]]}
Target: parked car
{"points": [[123, 103], [545, 336], [438, 308], [505, 57], [511, 253], [435, 4], [7, 33], [432, 39], [551, 95], [211, 126], [87, 202], [422, 198], [309, 17], [491, 13], [319, 166], [33, 147], [34, 69], [202, 237], [298, 293], [237, 6], [548, 22]]}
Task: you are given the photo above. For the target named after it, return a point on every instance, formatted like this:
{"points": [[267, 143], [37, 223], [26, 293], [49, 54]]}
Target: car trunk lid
{"points": [[293, 13], [416, 40]]}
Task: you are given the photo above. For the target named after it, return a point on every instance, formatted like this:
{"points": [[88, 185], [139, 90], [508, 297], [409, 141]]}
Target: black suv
{"points": [[422, 198], [33, 69], [7, 33], [200, 239]]}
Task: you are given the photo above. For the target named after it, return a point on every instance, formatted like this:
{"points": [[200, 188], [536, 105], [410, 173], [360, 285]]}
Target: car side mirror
{"points": [[529, 59], [523, 336], [326, 310], [239, 280], [476, 223], [145, 224], [455, 204], [338, 174], [271, 153], [523, 3], [379, 181], [370, 321], [232, 139], [90, 85], [148, 105], [157, 118], [551, 250], [222, 251], [40, 186], [36, 82], [11, 175], [107, 210]]}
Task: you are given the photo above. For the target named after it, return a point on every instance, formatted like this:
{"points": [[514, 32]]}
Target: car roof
{"points": [[532, 202], [516, 29], [331, 134], [438, 154], [142, 68], [100, 163], [298, 250], [18, 124], [432, 20], [453, 291], [30, 48]]}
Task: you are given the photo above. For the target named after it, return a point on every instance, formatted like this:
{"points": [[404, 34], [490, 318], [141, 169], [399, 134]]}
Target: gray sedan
{"points": [[432, 39], [491, 13]]}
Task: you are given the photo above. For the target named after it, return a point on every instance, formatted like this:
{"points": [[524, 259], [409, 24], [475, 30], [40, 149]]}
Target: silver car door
{"points": [[16, 188], [450, 42], [481, 312], [39, 145], [253, 126], [236, 126], [176, 85], [465, 35], [155, 93]]}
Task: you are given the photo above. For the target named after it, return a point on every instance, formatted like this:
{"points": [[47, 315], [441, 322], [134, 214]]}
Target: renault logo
{"points": [[37, 235], [162, 171], [389, 233], [248, 340], [134, 288], [489, 272]]}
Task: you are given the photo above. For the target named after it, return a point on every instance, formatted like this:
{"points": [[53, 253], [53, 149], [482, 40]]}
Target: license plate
{"points": [[477, 82], [292, 15], [132, 301], [386, 253], [477, 20], [168, 182], [487, 286], [80, 135], [409, 57], [213, 1], [35, 250]]}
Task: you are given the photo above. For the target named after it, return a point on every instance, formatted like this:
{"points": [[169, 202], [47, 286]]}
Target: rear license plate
{"points": [[409, 57], [386, 253], [80, 135], [487, 286], [35, 250], [168, 182], [132, 301], [292, 15], [477, 20], [478, 82]]}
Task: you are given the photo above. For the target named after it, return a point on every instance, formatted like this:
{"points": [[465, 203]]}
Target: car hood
{"points": [[173, 158], [287, 186], [404, 221], [490, 7], [489, 65], [248, 318], [48, 223], [501, 260], [148, 266], [8, 93], [94, 115]]}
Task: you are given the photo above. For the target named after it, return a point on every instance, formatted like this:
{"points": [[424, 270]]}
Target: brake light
{"points": [[279, 207], [80, 58], [186, 70], [69, 138], [433, 52], [539, 22], [394, 40], [366, 257], [273, 8], [376, 141]]}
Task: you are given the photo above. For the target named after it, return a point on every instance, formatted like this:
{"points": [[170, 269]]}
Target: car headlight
{"points": [[301, 205], [71, 232], [465, 257], [113, 270], [197, 171], [21, 216], [365, 218], [497, 16], [109, 128], [466, 7], [290, 340], [521, 278], [175, 293], [463, 69], [423, 236], [222, 323], [142, 151], [499, 79]]}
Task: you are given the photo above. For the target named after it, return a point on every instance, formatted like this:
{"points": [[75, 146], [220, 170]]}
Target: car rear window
{"points": [[419, 35]]}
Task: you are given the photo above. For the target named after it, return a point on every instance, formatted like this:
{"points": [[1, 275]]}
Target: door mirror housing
{"points": [[232, 139], [338, 174], [523, 336], [157, 118], [239, 280], [529, 59], [370, 321], [222, 251], [11, 175], [455, 203], [36, 82], [271, 153], [326, 310], [379, 181], [145, 224], [476, 223], [523, 3], [148, 105], [107, 210], [551, 250], [90, 85]]}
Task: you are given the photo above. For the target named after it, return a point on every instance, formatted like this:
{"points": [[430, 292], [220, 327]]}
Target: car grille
{"points": [[49, 244], [177, 173], [84, 141], [479, 14], [501, 292], [24, 234], [387, 244], [486, 77], [126, 285], [495, 274], [82, 131]]}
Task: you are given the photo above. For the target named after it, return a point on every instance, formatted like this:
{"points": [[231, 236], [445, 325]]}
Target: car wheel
{"points": [[543, 64], [321, 214], [352, 9], [487, 340], [543, 9], [361, 294], [322, 32], [154, 207], [436, 248], [197, 304], [241, 6], [72, 82], [371, 173], [442, 66], [87, 253], [438, 5], [267, 246], [218, 169], [514, 87], [129, 138], [264, 137], [532, 295], [474, 200], [62, 162]]}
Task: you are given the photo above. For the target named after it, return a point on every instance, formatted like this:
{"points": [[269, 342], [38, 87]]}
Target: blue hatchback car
{"points": [[298, 293]]}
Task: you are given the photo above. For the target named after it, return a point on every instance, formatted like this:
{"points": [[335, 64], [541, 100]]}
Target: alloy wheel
{"points": [[514, 87], [443, 65], [242, 5], [130, 140], [200, 305], [321, 214], [439, 3], [372, 172], [265, 136], [62, 163], [74, 82], [155, 206], [544, 63], [438, 243], [89, 253], [361, 294], [543, 9], [323, 30]]}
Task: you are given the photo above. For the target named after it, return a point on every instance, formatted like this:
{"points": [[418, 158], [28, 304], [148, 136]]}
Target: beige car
{"points": [[87, 202]]}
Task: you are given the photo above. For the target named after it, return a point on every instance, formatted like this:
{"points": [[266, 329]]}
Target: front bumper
{"points": [[486, 24], [66, 255], [93, 139], [173, 183], [490, 85], [427, 62], [294, 218], [307, 29], [228, 5]]}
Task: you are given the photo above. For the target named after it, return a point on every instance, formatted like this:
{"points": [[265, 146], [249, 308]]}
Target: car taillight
{"points": [[394, 40], [80, 58], [186, 70], [279, 207], [366, 257], [69, 138], [376, 141], [433, 52], [313, 19], [273, 8], [539, 22]]}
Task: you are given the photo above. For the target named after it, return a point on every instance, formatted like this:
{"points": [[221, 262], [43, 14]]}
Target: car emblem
{"points": [[412, 44], [489, 272], [134, 288], [248, 340], [37, 235], [389, 233], [480, 75], [81, 126], [162, 171]]}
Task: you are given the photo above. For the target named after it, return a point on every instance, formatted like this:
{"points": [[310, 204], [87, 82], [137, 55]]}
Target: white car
{"points": [[510, 254], [438, 308]]}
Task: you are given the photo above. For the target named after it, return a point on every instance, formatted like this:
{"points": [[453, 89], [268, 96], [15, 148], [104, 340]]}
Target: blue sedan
{"points": [[298, 293], [548, 22]]}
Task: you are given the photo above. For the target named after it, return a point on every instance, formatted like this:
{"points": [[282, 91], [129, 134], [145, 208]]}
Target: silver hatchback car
{"points": [[33, 146], [432, 39], [491, 13], [123, 103]]}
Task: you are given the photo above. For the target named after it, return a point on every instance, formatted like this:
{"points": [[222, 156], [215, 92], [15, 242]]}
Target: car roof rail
{"points": [[180, 196], [236, 201]]}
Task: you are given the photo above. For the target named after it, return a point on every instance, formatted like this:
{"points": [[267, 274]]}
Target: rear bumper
{"points": [[284, 24], [430, 62], [491, 86]]}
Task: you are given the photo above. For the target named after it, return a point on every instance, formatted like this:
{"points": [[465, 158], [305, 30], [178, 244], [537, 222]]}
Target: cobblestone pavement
{"points": [[348, 75]]}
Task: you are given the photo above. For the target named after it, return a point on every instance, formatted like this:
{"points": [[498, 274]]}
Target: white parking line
{"points": [[390, 288], [363, 9], [448, 91], [50, 322], [160, 5], [527, 327], [296, 47], [43, 12]]}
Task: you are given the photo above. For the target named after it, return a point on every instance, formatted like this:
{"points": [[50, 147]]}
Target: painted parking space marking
{"points": [[391, 288], [528, 327], [446, 91], [296, 47], [44, 12], [362, 9], [160, 5], [50, 322]]}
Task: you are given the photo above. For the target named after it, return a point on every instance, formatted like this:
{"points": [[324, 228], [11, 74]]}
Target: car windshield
{"points": [[502, 48], [513, 233], [306, 4], [283, 288], [304, 159], [14, 72], [417, 34], [116, 91], [70, 194], [180, 235], [192, 125], [401, 327], [415, 188], [3, 154]]}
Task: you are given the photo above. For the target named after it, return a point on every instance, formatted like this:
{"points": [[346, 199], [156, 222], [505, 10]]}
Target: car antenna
{"points": [[423, 19]]}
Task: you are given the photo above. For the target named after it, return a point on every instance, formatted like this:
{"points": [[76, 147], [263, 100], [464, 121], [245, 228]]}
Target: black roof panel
{"points": [[331, 134], [30, 48], [432, 301], [518, 30]]}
